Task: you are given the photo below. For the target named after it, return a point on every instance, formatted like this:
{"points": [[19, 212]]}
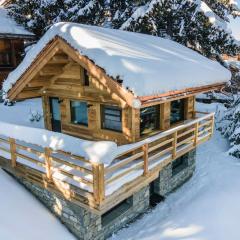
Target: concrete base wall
{"points": [[168, 182]]}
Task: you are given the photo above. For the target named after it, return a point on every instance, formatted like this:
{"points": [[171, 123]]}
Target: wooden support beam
{"points": [[98, 182], [196, 134], [47, 156], [101, 182], [145, 159], [95, 183], [212, 125], [13, 152], [174, 152], [50, 70]]}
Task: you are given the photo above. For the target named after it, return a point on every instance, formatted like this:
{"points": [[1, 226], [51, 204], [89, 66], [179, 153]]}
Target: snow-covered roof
{"points": [[9, 26], [147, 65]]}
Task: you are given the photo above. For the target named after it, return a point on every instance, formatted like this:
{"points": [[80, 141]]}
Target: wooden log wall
{"points": [[72, 88], [63, 78]]}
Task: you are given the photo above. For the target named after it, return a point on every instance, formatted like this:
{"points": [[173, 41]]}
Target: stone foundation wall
{"points": [[167, 182], [84, 224]]}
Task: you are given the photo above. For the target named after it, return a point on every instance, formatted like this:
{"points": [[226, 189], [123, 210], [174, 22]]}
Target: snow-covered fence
{"points": [[85, 181]]}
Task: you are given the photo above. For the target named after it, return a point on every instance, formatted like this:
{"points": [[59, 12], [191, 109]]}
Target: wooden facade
{"points": [[11, 53], [11, 50]]}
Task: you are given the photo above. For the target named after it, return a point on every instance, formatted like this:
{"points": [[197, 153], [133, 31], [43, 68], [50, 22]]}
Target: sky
{"points": [[235, 25]]}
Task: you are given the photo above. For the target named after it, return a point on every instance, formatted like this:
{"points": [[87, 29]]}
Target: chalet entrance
{"points": [[55, 114]]}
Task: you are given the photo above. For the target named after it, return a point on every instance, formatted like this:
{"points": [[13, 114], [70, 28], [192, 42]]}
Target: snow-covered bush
{"points": [[229, 126]]}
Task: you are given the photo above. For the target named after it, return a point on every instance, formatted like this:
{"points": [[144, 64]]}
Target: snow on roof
{"points": [[9, 26], [147, 65]]}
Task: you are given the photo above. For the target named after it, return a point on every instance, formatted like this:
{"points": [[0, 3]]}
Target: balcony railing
{"points": [[91, 184]]}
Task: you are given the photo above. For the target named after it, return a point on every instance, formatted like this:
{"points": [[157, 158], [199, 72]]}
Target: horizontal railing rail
{"points": [[95, 182]]}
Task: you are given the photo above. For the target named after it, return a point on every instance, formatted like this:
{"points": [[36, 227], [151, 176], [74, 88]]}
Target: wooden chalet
{"points": [[12, 42], [82, 96]]}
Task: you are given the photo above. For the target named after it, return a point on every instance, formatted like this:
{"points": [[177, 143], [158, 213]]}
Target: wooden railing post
{"points": [[98, 182], [145, 159], [196, 134], [174, 152], [212, 124], [13, 152], [47, 156]]}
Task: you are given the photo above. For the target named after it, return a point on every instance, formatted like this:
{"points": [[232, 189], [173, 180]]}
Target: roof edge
{"points": [[180, 93]]}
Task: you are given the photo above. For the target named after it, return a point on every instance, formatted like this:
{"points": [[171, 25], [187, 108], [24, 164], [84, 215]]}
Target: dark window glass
{"points": [[149, 119], [5, 53], [79, 113], [179, 164], [177, 111], [86, 78], [112, 118]]}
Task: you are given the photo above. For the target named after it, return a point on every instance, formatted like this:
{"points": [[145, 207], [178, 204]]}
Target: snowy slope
{"points": [[22, 217], [147, 65], [9, 26], [205, 208]]}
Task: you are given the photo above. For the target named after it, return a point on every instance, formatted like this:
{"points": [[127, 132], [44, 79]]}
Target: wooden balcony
{"points": [[95, 186]]}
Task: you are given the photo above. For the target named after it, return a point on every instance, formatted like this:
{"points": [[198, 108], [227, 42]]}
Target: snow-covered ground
{"points": [[206, 207], [19, 113], [22, 217]]}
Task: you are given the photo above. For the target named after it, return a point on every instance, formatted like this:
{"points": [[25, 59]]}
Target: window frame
{"points": [[183, 105], [103, 107], [8, 53], [157, 120], [71, 115]]}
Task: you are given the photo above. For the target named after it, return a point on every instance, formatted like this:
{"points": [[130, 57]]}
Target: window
{"points": [[79, 112], [179, 164], [112, 118], [177, 111], [5, 53], [149, 119], [86, 78]]}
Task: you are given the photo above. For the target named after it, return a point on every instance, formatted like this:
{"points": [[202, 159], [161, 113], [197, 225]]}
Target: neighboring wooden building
{"points": [[12, 42], [101, 84]]}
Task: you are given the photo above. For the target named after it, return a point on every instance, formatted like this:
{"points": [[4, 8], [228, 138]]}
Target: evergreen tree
{"points": [[38, 15], [89, 12], [185, 22], [200, 25]]}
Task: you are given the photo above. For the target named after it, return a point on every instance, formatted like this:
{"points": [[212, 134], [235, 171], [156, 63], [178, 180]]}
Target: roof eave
{"points": [[17, 36], [169, 96]]}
